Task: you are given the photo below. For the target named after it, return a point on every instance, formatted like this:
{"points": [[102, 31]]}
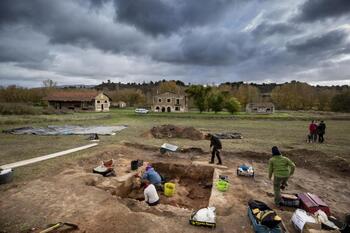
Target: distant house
{"points": [[170, 102], [119, 104], [260, 108], [79, 100]]}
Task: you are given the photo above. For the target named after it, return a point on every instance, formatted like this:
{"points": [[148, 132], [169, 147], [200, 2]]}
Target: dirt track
{"points": [[75, 195]]}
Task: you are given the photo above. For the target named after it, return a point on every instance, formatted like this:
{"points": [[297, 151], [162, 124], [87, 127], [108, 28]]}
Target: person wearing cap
{"points": [[152, 176], [150, 193], [217, 146], [282, 168]]}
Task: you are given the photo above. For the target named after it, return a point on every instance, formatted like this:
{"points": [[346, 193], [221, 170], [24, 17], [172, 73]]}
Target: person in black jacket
{"points": [[217, 146], [321, 130]]}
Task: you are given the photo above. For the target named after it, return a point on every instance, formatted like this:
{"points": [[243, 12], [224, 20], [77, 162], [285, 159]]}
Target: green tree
{"points": [[232, 105], [341, 102], [200, 96], [216, 101]]}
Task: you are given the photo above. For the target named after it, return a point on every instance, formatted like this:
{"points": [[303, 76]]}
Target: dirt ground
{"points": [[100, 204]]}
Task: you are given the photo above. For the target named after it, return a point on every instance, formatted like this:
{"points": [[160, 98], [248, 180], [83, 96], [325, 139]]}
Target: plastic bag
{"points": [[205, 215]]}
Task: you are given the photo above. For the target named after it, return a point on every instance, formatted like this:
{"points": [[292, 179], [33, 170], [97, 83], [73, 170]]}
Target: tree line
{"points": [[230, 96]]}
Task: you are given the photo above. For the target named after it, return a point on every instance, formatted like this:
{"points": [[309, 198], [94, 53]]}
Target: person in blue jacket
{"points": [[153, 177]]}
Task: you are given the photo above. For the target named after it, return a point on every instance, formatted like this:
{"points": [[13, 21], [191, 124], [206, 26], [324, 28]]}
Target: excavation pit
{"points": [[193, 185]]}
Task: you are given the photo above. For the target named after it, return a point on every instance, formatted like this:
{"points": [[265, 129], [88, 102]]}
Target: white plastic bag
{"points": [[322, 218], [300, 217], [205, 215]]}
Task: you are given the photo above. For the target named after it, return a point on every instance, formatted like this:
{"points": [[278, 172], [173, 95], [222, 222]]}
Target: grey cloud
{"points": [[313, 10], [333, 42], [20, 45], [163, 17], [65, 22], [209, 47], [266, 29]]}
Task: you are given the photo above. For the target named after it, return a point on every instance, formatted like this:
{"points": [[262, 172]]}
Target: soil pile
{"points": [[309, 159], [172, 131]]}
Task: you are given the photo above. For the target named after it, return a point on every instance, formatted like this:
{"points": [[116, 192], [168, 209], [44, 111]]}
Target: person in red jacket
{"points": [[313, 131]]}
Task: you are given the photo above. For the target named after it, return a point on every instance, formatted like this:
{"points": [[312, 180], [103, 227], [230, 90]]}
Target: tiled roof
{"points": [[266, 104], [72, 96]]}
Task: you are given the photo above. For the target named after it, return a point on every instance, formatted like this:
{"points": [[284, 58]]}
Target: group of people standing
{"points": [[316, 130]]}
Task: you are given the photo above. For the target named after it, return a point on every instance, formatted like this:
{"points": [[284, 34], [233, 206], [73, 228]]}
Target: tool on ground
{"points": [[59, 225]]}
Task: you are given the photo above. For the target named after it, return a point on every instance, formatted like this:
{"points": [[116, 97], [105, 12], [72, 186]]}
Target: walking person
{"points": [[321, 130], [282, 168], [217, 146]]}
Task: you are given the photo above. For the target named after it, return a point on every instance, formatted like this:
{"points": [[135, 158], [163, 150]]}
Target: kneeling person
{"points": [[151, 195], [153, 177]]}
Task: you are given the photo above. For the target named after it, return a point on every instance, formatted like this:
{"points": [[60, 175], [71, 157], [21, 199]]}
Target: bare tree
{"points": [[48, 83]]}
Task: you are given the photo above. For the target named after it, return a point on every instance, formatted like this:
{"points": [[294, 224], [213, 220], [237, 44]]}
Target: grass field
{"points": [[287, 130]]}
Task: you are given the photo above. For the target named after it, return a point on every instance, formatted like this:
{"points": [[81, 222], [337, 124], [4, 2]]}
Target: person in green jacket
{"points": [[282, 168]]}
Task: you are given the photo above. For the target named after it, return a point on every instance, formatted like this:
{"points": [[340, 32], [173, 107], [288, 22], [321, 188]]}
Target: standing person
{"points": [[282, 168], [321, 130], [313, 131], [217, 146], [150, 193]]}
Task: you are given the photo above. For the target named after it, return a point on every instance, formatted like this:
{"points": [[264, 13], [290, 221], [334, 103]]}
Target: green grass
{"points": [[287, 130]]}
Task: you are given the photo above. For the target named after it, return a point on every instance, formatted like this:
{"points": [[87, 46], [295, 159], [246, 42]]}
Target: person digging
{"points": [[217, 146], [282, 168], [153, 177], [150, 193]]}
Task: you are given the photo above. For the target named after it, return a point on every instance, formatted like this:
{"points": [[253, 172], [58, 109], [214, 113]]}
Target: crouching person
{"points": [[153, 177], [282, 168], [151, 195]]}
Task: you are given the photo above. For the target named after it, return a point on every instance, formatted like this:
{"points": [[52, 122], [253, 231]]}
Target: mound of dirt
{"points": [[315, 160], [172, 131]]}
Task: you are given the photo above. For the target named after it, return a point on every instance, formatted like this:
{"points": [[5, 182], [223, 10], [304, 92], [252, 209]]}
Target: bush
{"points": [[232, 105], [18, 109]]}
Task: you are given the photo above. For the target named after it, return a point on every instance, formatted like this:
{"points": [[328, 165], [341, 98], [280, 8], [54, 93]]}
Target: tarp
{"points": [[67, 130]]}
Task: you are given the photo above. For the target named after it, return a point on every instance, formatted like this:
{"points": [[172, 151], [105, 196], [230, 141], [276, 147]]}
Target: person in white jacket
{"points": [[151, 195]]}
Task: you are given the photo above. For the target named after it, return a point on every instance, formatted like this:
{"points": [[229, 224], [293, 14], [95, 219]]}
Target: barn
{"points": [[79, 100], [260, 108]]}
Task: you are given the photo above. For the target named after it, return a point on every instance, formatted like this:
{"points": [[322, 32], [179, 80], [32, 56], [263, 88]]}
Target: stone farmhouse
{"points": [[170, 102], [79, 100], [260, 108]]}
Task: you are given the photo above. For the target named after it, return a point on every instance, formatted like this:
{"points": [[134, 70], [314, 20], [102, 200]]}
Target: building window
{"points": [[168, 100], [159, 100], [177, 109], [98, 101], [105, 101], [177, 101]]}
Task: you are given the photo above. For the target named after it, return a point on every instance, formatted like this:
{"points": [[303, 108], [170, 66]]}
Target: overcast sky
{"points": [[196, 41]]}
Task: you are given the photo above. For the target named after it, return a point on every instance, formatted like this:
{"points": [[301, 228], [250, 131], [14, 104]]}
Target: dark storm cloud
{"points": [[269, 29], [333, 42], [65, 23], [313, 10], [209, 47], [163, 17], [202, 41]]}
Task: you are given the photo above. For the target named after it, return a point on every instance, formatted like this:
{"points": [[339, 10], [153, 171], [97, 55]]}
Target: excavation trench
{"points": [[193, 185]]}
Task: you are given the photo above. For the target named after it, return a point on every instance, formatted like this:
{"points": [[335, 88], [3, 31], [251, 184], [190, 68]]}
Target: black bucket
{"points": [[134, 165], [6, 176]]}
